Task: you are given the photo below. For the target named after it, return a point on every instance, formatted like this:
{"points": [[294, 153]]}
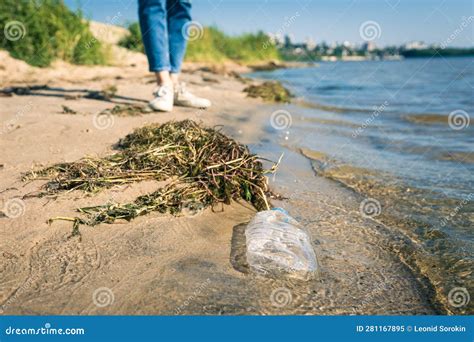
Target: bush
{"points": [[134, 40], [215, 46], [40, 31]]}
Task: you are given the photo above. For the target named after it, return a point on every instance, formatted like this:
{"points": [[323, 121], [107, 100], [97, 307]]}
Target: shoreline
{"points": [[438, 253], [158, 263]]}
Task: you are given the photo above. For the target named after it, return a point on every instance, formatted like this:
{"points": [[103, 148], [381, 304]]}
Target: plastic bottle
{"points": [[278, 246]]}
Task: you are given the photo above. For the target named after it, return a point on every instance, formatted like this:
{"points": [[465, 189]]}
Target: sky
{"points": [[449, 22]]}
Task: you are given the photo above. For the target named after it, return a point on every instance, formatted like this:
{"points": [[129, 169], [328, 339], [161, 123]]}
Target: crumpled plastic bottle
{"points": [[278, 246]]}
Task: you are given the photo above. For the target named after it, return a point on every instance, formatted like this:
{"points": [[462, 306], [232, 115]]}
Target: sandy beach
{"points": [[160, 264]]}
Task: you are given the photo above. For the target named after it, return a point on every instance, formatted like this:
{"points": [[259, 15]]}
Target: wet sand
{"points": [[159, 264]]}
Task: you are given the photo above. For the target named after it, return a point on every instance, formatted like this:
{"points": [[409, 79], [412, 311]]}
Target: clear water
{"points": [[388, 123], [372, 105]]}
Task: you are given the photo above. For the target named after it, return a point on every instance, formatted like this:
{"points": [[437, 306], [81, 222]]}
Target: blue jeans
{"points": [[161, 23]]}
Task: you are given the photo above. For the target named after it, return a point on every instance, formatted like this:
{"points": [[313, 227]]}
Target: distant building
{"points": [[345, 50], [347, 44], [415, 45], [310, 44], [298, 51], [276, 38], [369, 46]]}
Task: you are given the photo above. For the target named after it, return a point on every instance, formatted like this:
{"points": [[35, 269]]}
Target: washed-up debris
{"points": [[270, 66], [127, 110], [67, 110], [269, 91], [210, 79], [108, 93], [240, 78], [203, 166]]}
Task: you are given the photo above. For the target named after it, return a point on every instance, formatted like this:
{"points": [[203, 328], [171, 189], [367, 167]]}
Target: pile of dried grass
{"points": [[205, 166], [272, 91]]}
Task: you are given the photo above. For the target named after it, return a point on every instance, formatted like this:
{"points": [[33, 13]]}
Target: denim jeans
{"points": [[161, 24]]}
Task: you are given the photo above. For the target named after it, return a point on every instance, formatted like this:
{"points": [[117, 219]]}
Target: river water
{"points": [[400, 134]]}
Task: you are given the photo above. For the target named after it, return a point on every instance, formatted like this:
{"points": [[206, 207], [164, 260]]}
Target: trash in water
{"points": [[277, 246]]}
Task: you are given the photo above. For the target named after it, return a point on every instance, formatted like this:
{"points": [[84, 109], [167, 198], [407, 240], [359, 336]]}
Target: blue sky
{"points": [[432, 21]]}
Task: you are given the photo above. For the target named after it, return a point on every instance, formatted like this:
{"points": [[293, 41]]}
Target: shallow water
{"points": [[385, 130]]}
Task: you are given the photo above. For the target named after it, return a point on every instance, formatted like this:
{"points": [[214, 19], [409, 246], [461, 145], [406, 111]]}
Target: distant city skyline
{"points": [[395, 21]]}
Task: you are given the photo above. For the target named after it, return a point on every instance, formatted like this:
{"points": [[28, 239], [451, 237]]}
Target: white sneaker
{"points": [[163, 100], [184, 98]]}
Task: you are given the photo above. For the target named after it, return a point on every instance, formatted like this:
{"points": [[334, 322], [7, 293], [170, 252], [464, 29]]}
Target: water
{"points": [[401, 133]]}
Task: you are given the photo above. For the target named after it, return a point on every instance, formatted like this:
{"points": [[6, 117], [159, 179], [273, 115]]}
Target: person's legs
{"points": [[179, 14], [174, 77], [152, 15], [162, 23], [164, 78], [154, 27]]}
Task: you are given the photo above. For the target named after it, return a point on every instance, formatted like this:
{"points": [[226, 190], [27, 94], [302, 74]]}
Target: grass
{"points": [[216, 46], [203, 167], [133, 41], [41, 31]]}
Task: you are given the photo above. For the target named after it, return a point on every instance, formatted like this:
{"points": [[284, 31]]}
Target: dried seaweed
{"points": [[269, 91], [205, 168]]}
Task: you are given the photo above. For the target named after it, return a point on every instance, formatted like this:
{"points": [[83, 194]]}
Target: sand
{"points": [[159, 264]]}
